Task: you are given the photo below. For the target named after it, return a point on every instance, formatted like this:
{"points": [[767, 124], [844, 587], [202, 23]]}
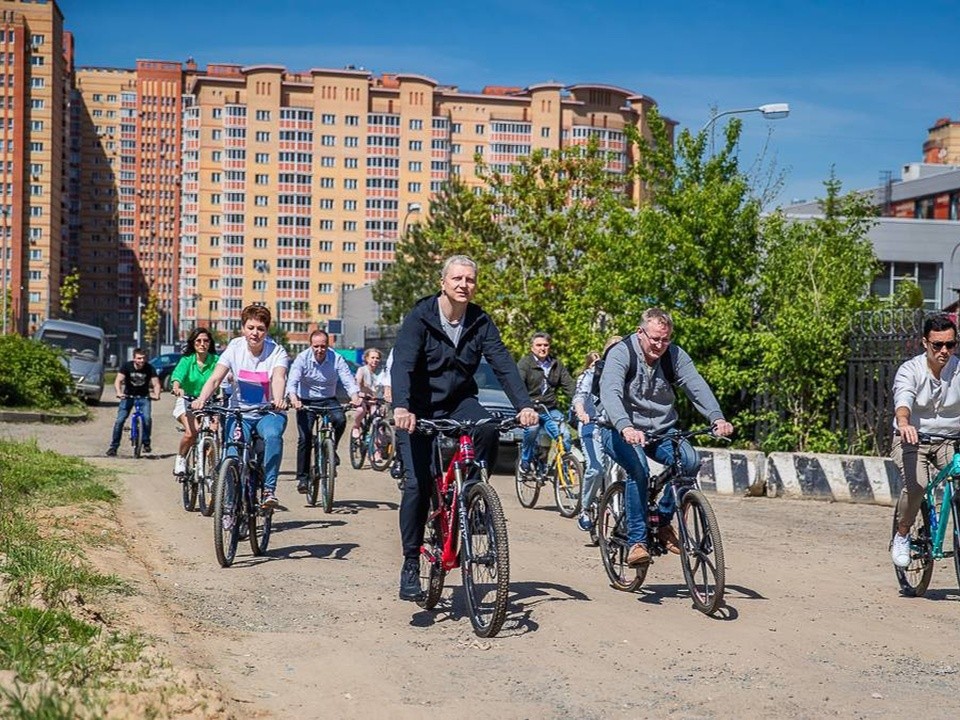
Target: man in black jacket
{"points": [[438, 349], [543, 374]]}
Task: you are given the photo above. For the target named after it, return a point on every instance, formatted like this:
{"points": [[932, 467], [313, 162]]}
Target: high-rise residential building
{"points": [[35, 59]]}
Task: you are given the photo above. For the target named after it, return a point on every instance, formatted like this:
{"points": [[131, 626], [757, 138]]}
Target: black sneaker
{"points": [[303, 485], [410, 580], [147, 449], [111, 452]]}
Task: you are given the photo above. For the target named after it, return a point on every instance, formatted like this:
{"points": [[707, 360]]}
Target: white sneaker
{"points": [[900, 550], [180, 465]]}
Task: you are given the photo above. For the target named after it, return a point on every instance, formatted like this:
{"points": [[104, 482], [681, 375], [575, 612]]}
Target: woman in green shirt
{"points": [[187, 380]]}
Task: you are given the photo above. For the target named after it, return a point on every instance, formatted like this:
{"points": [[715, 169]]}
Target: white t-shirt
{"points": [[252, 373], [384, 375]]}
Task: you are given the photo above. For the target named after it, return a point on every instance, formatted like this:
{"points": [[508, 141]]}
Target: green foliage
{"points": [[32, 374], [69, 291], [907, 296], [150, 320], [29, 474]]}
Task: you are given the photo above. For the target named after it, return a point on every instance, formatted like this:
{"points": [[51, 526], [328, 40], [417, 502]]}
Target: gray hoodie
{"points": [[649, 401]]}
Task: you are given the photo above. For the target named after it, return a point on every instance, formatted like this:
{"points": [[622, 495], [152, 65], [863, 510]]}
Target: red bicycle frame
{"points": [[448, 506]]}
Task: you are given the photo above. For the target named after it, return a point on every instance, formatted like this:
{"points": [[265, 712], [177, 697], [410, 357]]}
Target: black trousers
{"points": [[417, 453], [305, 430]]}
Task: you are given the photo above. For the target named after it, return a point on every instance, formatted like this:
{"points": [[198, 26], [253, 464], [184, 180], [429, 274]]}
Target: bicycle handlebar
{"points": [[449, 426], [654, 436], [927, 436]]}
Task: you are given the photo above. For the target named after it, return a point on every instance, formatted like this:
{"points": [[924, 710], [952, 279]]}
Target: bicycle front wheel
{"points": [[206, 468], [226, 501], [188, 483], [316, 472], [136, 435], [432, 573], [358, 450], [382, 440], [702, 553], [485, 560], [956, 535], [915, 578], [612, 538], [528, 484], [328, 479], [567, 484], [260, 519]]}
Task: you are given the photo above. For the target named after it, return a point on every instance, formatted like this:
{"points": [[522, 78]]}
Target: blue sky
{"points": [[864, 80]]}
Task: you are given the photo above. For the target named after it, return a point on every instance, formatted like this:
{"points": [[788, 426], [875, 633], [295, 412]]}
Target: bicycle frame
{"points": [[136, 417], [946, 478], [449, 486]]}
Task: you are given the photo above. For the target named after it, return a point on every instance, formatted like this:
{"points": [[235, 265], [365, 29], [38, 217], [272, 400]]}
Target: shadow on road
{"points": [[352, 507], [655, 594], [315, 524], [320, 551]]}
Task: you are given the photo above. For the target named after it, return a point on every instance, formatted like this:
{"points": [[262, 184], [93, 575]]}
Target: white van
{"points": [[83, 347]]}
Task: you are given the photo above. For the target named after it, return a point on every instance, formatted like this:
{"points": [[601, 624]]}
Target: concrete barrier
{"points": [[843, 478]]}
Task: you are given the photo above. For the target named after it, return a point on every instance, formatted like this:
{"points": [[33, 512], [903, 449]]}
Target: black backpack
{"points": [[668, 362]]}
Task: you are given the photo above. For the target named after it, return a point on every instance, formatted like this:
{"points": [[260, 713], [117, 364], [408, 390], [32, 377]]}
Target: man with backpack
{"points": [[636, 389]]}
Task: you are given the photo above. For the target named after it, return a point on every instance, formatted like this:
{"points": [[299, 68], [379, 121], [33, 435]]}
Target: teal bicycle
{"points": [[941, 502]]}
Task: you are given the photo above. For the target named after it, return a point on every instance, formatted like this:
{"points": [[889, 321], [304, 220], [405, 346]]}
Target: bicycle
{"points": [[323, 473], [929, 529], [466, 527], [377, 439], [611, 474], [136, 423], [238, 492], [701, 550], [554, 464], [202, 460]]}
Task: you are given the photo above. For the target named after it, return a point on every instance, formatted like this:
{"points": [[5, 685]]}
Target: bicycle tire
{"points": [[915, 578], [358, 450], [612, 539], [382, 439], [226, 504], [701, 554], [188, 483], [207, 474], [527, 485], [568, 485], [432, 574], [956, 536], [316, 472], [328, 480], [136, 435], [485, 559], [259, 519]]}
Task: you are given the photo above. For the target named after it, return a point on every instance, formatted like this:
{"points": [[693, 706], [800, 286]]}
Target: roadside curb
{"points": [[9, 415]]}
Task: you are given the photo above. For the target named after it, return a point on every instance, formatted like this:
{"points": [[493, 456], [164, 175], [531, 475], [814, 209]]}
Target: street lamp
{"points": [[771, 111], [412, 207]]}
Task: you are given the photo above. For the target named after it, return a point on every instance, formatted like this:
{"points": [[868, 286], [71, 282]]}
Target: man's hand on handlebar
{"points": [[403, 419], [633, 436], [908, 434], [722, 428], [528, 417]]}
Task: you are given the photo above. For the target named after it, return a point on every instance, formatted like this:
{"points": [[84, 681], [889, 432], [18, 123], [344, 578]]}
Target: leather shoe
{"points": [[410, 580], [668, 536], [638, 555], [302, 486]]}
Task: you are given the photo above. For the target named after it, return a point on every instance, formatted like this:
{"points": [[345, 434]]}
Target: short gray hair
{"points": [[659, 315], [457, 260], [537, 335]]}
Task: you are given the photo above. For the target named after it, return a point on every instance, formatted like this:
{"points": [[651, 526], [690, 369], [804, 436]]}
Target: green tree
{"points": [[150, 320], [69, 291], [814, 277]]}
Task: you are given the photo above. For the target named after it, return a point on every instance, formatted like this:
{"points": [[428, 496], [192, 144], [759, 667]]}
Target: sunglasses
{"points": [[205, 341], [938, 346]]}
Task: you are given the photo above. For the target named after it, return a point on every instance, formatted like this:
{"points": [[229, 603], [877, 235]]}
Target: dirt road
{"points": [[814, 625]]}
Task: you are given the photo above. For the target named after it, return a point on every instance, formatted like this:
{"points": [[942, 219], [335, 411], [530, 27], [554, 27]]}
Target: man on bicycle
{"points": [[136, 379], [312, 384], [438, 350], [637, 396], [543, 374], [926, 398]]}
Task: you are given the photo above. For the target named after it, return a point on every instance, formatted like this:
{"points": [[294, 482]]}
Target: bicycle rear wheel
{"points": [[956, 536], [612, 538], [382, 440], [226, 502], [328, 477], [206, 469], [528, 484], [316, 472], [358, 450], [702, 553], [432, 573], [260, 519], [485, 560], [915, 578], [188, 483], [136, 435], [567, 485]]}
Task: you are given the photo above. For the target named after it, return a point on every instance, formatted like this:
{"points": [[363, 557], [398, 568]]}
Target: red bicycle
{"points": [[466, 528]]}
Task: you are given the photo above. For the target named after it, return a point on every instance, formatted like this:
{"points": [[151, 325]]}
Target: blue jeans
{"points": [[550, 422], [123, 412], [270, 427], [592, 441], [633, 459]]}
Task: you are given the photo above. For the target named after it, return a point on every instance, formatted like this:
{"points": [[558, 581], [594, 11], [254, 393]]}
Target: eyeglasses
{"points": [[665, 340], [938, 346], [203, 341]]}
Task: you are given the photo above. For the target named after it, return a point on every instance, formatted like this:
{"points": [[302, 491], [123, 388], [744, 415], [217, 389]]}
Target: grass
{"points": [[60, 662]]}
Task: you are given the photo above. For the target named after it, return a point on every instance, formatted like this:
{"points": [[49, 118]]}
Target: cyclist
{"points": [[187, 378], [369, 387], [438, 350], [136, 379], [543, 375], [314, 376], [637, 391], [259, 369], [926, 399]]}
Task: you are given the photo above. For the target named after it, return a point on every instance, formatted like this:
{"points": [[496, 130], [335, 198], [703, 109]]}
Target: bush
{"points": [[33, 375]]}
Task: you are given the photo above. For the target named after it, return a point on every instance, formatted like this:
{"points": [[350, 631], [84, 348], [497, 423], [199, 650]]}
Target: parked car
{"points": [[494, 399], [164, 365], [83, 350]]}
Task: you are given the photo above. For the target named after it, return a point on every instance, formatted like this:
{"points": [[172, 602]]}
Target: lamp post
{"points": [[3, 232], [412, 207], [771, 111]]}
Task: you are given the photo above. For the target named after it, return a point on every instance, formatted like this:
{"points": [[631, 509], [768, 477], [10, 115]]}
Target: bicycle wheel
{"points": [[188, 483], [915, 578], [259, 519], [381, 444], [226, 501], [206, 469], [567, 485], [432, 573], [612, 539], [528, 485], [136, 435], [358, 450], [316, 471], [956, 536], [485, 560], [328, 478], [702, 553]]}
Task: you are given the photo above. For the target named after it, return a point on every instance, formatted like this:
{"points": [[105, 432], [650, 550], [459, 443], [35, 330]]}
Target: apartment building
{"points": [[35, 58]]}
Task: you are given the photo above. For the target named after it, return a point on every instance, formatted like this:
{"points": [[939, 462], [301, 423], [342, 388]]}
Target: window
{"points": [[215, 199], [262, 136], [325, 267], [217, 134], [326, 224], [414, 187], [324, 308], [416, 124], [545, 132], [260, 243], [217, 113], [349, 267], [478, 149], [351, 141], [349, 246], [263, 115], [216, 155], [36, 60], [415, 166], [215, 177], [455, 148], [350, 163], [262, 158], [326, 203], [455, 127], [325, 246], [478, 129], [259, 221], [328, 140], [260, 200], [325, 287], [261, 179], [326, 182], [350, 184], [37, 82], [328, 119], [351, 119], [350, 226], [893, 274], [349, 204], [327, 161], [416, 145]]}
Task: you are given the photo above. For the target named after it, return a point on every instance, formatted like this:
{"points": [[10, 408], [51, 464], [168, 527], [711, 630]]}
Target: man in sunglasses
{"points": [[637, 396], [926, 399]]}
